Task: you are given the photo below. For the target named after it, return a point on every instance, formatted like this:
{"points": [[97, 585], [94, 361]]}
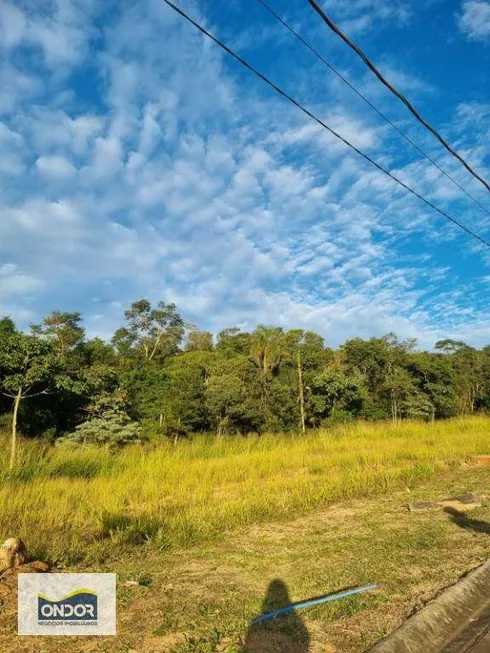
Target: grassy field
{"points": [[202, 598], [74, 506]]}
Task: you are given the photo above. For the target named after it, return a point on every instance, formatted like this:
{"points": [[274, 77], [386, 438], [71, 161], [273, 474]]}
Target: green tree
{"points": [[399, 385], [108, 424], [199, 340], [232, 341], [469, 372], [7, 326], [469, 377], [63, 330], [30, 368], [449, 346], [98, 352], [150, 331], [334, 394], [267, 348], [183, 405], [293, 346], [417, 406], [233, 396], [434, 376]]}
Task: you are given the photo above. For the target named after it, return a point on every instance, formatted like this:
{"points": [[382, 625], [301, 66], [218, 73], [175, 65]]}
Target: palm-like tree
{"points": [[267, 348]]}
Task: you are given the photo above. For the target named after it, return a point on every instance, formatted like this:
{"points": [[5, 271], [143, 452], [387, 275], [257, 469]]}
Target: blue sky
{"points": [[138, 160]]}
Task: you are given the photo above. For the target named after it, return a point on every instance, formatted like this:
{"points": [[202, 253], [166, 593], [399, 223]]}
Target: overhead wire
{"points": [[399, 95], [374, 107], [306, 111]]}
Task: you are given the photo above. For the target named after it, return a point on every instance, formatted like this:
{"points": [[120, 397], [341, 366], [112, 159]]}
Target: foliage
{"points": [[111, 426], [178, 381], [63, 330], [28, 365], [150, 331], [333, 392]]}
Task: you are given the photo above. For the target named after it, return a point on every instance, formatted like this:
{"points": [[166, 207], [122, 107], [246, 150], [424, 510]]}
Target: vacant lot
{"points": [[203, 528]]}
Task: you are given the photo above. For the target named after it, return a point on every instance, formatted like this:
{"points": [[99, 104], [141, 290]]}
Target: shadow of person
{"points": [[285, 633], [463, 521]]}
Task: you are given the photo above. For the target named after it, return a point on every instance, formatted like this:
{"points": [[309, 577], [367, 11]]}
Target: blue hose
{"points": [[307, 604]]}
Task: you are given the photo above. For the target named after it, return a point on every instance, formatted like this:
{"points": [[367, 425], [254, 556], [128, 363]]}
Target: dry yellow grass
{"points": [[69, 504]]}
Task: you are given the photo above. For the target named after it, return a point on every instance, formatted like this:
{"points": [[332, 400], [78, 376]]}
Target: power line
{"points": [[321, 123], [399, 95], [380, 113]]}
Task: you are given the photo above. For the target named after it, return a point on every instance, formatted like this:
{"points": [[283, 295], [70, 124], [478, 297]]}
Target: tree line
{"points": [[162, 377]]}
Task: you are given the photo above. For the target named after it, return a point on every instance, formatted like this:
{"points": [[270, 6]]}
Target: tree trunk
{"points": [[221, 423], [301, 394], [14, 428], [177, 432]]}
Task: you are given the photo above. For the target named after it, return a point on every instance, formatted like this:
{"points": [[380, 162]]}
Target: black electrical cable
{"points": [[320, 122], [399, 95], [380, 113]]}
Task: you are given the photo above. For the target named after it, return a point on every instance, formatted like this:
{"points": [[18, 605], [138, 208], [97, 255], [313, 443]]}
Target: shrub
{"points": [[113, 428]]}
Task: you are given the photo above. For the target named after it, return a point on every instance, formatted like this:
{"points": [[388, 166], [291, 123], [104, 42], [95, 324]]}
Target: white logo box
{"points": [[67, 604]]}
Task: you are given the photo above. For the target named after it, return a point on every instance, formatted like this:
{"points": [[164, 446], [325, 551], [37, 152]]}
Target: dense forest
{"points": [[162, 377]]}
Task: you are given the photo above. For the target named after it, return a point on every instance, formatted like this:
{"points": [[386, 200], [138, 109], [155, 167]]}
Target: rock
{"points": [[12, 553], [469, 497], [461, 502], [13, 556]]}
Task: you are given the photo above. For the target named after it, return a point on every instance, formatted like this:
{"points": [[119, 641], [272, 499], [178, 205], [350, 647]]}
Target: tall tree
{"points": [[335, 394], [233, 396], [152, 331], [7, 326], [232, 341], [63, 330], [183, 406], [267, 348], [30, 368], [199, 340], [294, 343]]}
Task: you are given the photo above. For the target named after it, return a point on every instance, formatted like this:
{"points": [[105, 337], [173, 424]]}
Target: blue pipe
{"points": [[307, 604]]}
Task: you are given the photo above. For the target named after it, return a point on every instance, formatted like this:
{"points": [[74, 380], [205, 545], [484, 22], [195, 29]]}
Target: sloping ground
{"points": [[202, 599], [452, 623]]}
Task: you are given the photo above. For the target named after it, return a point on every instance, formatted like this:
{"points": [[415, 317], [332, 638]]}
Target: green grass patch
{"points": [[79, 503]]}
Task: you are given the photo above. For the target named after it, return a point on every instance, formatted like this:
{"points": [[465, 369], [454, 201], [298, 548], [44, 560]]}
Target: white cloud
{"points": [[474, 20], [16, 87], [60, 29], [55, 168], [15, 283], [358, 16], [185, 182], [11, 146], [12, 25]]}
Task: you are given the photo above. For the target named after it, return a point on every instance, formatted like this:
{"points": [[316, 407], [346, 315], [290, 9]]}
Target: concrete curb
{"points": [[442, 620]]}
